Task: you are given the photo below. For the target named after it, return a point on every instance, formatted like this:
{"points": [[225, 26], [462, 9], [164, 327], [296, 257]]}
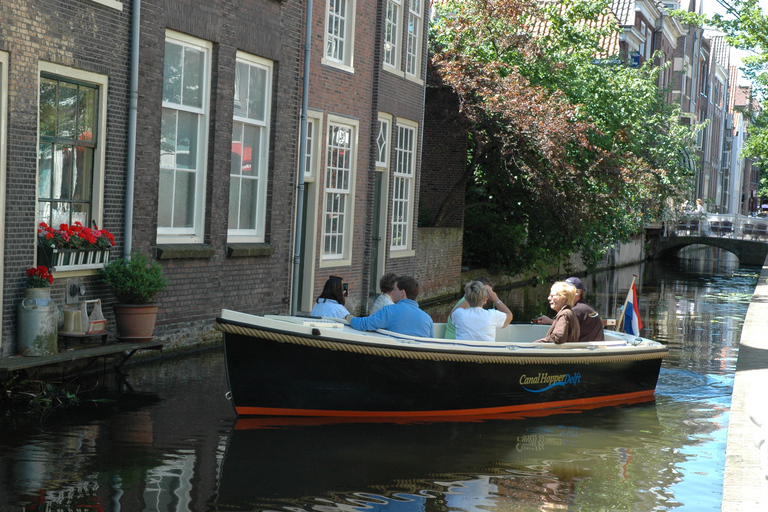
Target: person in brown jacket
{"points": [[565, 326]]}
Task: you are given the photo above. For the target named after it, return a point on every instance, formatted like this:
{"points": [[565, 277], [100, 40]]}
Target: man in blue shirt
{"points": [[404, 316]]}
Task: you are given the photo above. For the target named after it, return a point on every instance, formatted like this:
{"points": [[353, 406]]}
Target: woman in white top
{"points": [[476, 323], [331, 301], [386, 284]]}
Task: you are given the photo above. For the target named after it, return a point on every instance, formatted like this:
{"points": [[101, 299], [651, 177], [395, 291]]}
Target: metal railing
{"points": [[718, 225]]}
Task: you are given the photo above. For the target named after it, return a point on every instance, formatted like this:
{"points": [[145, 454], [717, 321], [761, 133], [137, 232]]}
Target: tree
{"points": [[570, 150]]}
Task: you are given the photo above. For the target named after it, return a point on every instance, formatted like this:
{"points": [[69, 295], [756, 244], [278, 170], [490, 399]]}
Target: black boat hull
{"points": [[270, 376]]}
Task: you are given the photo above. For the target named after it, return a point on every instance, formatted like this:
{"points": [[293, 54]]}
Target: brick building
{"points": [[212, 190]]}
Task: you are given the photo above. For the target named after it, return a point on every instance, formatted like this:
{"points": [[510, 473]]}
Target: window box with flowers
{"points": [[73, 247]]}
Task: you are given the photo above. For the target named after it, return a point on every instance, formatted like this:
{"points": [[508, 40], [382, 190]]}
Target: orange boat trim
{"points": [[276, 411]]}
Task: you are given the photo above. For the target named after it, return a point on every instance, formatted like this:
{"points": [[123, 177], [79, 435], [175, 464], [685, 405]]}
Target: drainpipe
{"points": [[302, 160], [130, 167]]}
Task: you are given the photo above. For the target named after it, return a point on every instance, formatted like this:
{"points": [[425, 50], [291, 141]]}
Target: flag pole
{"points": [[624, 308]]}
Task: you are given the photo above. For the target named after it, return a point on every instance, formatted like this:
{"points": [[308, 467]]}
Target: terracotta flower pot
{"points": [[135, 322]]}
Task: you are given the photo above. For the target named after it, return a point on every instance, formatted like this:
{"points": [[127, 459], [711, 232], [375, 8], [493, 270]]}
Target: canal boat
{"points": [[309, 366]]}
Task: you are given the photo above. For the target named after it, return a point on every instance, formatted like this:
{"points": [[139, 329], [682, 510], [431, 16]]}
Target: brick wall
{"points": [[78, 35], [439, 261], [444, 161], [200, 288]]}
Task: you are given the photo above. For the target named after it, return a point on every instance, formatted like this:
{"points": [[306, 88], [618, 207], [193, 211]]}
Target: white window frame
{"points": [[383, 138], [261, 174], [193, 234], [344, 234], [414, 38], [404, 189], [393, 35], [114, 4], [99, 153], [314, 138], [347, 36]]}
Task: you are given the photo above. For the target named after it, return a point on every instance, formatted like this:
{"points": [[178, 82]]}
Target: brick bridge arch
{"points": [[749, 252]]}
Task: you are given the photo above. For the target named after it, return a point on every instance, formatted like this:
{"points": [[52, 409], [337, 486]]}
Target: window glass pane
{"points": [[184, 200], [83, 175], [168, 139], [257, 94], [194, 67], [87, 113], [186, 146], [241, 90], [248, 203], [67, 110], [60, 213], [80, 214], [251, 153], [234, 201], [172, 73], [48, 107], [236, 164], [165, 205], [60, 170], [44, 169]]}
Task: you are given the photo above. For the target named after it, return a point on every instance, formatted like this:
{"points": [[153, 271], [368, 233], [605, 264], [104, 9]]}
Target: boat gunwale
{"points": [[507, 352]]}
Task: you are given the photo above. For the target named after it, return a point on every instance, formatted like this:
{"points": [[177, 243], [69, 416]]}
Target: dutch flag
{"points": [[632, 322]]}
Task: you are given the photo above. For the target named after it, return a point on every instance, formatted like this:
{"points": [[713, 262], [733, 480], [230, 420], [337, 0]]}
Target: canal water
{"points": [[168, 439]]}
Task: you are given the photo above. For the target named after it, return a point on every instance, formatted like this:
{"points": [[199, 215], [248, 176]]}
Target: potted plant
{"points": [[74, 246], [135, 284], [37, 325]]}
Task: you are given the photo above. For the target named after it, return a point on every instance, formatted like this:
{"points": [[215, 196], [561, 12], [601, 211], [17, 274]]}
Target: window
{"points": [[70, 146], [392, 32], [413, 49], [339, 186], [312, 161], [250, 147], [382, 143], [183, 139], [403, 194], [339, 33]]}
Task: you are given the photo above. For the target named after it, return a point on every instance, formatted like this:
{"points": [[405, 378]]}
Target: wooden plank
{"points": [[9, 364]]}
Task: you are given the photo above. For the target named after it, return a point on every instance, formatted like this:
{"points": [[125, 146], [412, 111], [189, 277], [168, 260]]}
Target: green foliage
{"points": [[570, 151], [136, 281]]}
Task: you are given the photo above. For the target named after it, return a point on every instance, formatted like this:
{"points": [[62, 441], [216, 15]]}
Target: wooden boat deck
{"points": [[121, 351]]}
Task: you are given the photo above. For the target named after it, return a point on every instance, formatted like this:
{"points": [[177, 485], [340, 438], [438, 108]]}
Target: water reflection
{"points": [[170, 441]]}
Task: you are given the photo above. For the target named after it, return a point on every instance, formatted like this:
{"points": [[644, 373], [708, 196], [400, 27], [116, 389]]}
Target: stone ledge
{"points": [[184, 251], [249, 250]]}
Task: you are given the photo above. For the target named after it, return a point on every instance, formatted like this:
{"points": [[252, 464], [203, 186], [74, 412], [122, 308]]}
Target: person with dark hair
{"points": [[331, 301], [475, 322], [565, 326], [450, 328], [404, 316], [590, 324], [386, 283]]}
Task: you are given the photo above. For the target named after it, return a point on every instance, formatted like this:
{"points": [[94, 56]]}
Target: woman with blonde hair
{"points": [[565, 326], [475, 322]]}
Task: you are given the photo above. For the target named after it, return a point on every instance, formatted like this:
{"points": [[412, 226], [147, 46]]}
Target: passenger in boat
{"points": [[450, 328], [386, 283], [475, 322], [404, 316], [331, 301], [590, 324], [565, 326]]}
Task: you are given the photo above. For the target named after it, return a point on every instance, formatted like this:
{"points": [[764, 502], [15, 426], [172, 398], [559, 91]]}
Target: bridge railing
{"points": [[720, 225]]}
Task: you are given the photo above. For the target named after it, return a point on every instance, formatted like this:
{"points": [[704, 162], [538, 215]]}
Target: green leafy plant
{"points": [[136, 281]]}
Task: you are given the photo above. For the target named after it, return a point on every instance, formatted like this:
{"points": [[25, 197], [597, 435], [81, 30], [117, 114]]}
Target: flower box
{"points": [[62, 260]]}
